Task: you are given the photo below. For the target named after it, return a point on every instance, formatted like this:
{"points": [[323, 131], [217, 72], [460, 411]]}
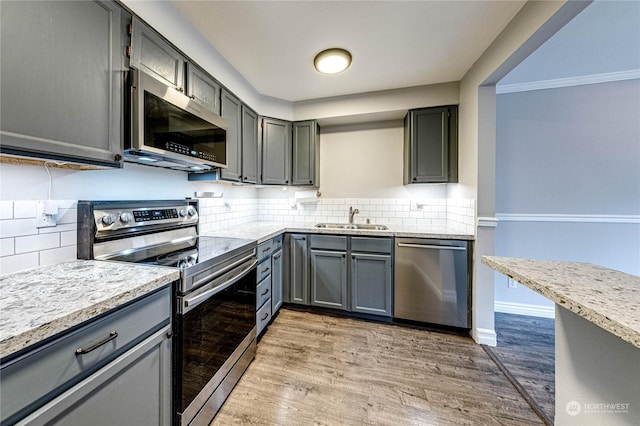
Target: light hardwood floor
{"points": [[316, 369], [526, 349]]}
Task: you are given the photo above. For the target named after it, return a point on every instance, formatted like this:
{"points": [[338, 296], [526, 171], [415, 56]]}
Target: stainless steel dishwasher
{"points": [[431, 283]]}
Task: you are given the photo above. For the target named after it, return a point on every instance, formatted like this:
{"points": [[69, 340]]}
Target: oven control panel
{"points": [[116, 219]]}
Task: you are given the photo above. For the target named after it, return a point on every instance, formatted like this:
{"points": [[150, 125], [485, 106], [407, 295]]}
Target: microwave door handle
{"points": [[188, 303]]}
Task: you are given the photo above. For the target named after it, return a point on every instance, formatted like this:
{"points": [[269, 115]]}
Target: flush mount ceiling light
{"points": [[332, 61]]}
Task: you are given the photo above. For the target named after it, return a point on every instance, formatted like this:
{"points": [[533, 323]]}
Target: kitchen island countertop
{"points": [[41, 302], [605, 297], [262, 231]]}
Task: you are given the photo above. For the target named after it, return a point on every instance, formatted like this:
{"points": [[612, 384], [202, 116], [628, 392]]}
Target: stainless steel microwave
{"points": [[169, 129]]}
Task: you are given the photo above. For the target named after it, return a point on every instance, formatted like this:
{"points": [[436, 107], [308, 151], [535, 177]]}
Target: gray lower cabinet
{"points": [[269, 281], [277, 263], [431, 145], [371, 283], [152, 54], [132, 390], [298, 282], [232, 112], [275, 152], [61, 78], [329, 279], [319, 274], [112, 370], [305, 151]]}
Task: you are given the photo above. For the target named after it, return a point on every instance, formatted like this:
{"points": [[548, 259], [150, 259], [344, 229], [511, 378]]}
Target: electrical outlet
{"points": [[512, 283], [416, 205], [44, 220]]}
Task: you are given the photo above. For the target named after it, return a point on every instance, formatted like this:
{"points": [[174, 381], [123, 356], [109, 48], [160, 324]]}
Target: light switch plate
{"points": [[44, 220]]}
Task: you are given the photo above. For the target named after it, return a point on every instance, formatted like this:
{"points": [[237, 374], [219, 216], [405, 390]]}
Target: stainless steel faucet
{"points": [[352, 213]]}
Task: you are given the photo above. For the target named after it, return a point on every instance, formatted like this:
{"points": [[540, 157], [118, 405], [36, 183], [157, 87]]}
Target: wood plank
{"points": [[314, 369]]}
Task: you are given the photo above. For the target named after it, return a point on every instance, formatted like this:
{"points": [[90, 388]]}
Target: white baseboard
{"points": [[525, 309], [485, 336]]}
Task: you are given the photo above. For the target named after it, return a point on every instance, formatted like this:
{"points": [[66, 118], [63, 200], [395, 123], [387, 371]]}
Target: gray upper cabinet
{"points": [[62, 75], [276, 152], [202, 88], [305, 153], [249, 145], [155, 56], [232, 112], [431, 145]]}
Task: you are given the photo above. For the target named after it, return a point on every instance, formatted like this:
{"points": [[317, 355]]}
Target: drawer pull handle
{"points": [[264, 317], [111, 336], [264, 293], [266, 250], [265, 270]]}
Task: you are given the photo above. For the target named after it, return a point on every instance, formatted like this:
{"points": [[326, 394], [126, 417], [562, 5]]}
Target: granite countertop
{"points": [[42, 302], [606, 297], [262, 231]]}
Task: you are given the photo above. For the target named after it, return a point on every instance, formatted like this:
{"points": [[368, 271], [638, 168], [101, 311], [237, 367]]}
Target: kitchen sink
{"points": [[369, 227]]}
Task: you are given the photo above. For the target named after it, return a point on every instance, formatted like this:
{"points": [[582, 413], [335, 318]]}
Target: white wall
{"points": [[568, 179], [534, 24]]}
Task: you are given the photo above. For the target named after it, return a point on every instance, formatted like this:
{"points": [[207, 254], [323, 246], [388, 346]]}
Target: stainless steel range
{"points": [[214, 317]]}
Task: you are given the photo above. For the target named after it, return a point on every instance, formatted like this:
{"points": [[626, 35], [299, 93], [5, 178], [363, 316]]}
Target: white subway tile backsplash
{"points": [[6, 210], [24, 246], [19, 262], [58, 255], [24, 209], [37, 242], [69, 238], [18, 227], [7, 247]]}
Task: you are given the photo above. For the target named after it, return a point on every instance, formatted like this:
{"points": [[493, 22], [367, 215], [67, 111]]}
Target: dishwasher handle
{"points": [[431, 246]]}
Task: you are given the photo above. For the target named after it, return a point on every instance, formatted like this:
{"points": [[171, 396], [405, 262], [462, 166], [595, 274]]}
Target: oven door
{"points": [[215, 325]]}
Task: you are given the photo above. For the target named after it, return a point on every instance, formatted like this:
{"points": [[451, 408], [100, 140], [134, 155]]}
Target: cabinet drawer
{"points": [[38, 376], [263, 316], [277, 243], [371, 245], [265, 249], [263, 291], [329, 242], [263, 269]]}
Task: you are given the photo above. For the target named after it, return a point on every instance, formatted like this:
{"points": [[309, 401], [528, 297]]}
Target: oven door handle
{"points": [[188, 303]]}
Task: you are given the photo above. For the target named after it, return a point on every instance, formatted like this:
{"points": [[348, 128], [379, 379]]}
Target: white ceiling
{"points": [[395, 44]]}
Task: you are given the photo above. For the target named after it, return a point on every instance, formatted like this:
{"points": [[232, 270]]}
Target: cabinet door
{"points": [[329, 279], [427, 145], [305, 153], [249, 145], [299, 270], [202, 88], [371, 285], [62, 73], [276, 152], [153, 55], [276, 281], [232, 112], [135, 389]]}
